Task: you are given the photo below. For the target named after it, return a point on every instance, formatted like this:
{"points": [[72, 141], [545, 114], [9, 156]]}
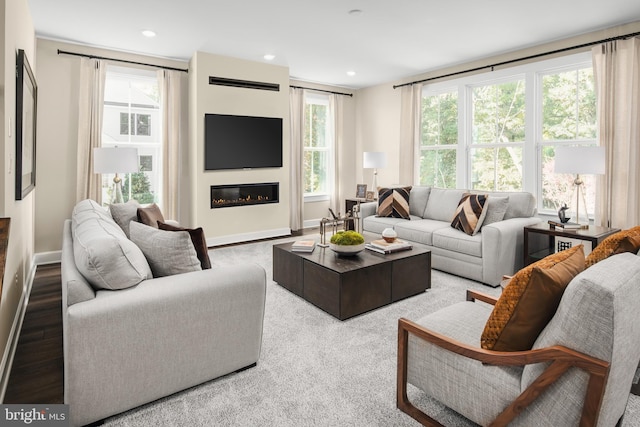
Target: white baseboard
{"points": [[43, 258], [311, 223], [247, 237]]}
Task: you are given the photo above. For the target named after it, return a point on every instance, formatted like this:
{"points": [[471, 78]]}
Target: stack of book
{"points": [[567, 225], [303, 246], [384, 247]]}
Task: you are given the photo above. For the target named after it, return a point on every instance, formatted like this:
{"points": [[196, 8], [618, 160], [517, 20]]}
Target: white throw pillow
{"points": [[496, 209], [124, 213], [168, 252]]}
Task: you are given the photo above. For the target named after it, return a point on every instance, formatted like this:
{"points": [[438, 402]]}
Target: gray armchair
{"points": [[579, 371]]}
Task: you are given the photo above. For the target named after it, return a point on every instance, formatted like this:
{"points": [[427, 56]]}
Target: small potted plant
{"points": [[347, 242]]}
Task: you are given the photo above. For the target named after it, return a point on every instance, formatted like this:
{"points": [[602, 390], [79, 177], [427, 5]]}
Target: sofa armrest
{"points": [[125, 348], [502, 248], [368, 209]]}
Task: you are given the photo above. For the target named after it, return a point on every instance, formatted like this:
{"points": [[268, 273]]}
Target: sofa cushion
{"points": [[394, 202], [442, 204], [168, 252], [617, 243], [522, 204], [418, 199], [150, 215], [470, 213], [376, 224], [105, 257], [197, 238], [495, 209], [530, 300], [89, 209], [457, 241], [420, 231], [124, 213]]}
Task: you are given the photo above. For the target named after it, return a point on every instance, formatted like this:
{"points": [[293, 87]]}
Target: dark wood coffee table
{"points": [[348, 286]]}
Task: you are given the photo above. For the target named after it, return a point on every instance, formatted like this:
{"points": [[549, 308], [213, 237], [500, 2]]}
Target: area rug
{"points": [[314, 370]]}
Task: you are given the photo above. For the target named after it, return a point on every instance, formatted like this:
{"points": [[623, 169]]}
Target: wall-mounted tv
{"points": [[242, 142]]}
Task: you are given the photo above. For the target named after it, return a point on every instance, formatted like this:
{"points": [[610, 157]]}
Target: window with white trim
{"points": [[317, 147]]}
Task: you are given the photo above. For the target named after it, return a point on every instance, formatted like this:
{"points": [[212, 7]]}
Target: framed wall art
{"points": [[361, 191], [26, 106]]}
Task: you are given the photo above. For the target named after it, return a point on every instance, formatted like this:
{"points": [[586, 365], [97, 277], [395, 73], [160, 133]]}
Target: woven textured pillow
{"points": [[622, 241], [198, 240], [530, 300], [470, 213], [394, 202]]}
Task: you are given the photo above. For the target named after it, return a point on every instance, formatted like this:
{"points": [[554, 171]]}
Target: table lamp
{"points": [[374, 160], [114, 160], [580, 160]]}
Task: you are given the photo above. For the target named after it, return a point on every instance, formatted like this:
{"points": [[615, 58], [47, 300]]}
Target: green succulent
{"points": [[347, 238]]}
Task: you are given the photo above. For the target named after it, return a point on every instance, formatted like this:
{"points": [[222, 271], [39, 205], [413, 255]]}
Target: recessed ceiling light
{"points": [[269, 57], [355, 12], [148, 33], [351, 73]]}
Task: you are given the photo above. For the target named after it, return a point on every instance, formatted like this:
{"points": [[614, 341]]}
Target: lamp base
{"points": [[578, 211], [117, 190]]}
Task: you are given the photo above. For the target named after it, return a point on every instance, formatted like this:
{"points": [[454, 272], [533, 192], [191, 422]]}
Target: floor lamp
{"points": [[579, 160], [374, 160], [114, 160]]}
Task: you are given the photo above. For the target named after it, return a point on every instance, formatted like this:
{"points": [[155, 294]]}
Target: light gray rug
{"points": [[314, 370]]}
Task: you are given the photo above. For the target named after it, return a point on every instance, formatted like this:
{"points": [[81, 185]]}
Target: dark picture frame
{"points": [[361, 191], [26, 108]]}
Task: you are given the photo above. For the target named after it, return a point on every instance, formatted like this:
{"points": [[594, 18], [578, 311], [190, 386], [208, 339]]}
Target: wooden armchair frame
{"points": [[561, 358]]}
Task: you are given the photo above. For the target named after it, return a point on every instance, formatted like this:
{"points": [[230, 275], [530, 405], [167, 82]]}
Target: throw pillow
{"points": [[530, 300], [168, 252], [622, 241], [198, 240], [496, 208], [124, 213], [394, 202], [150, 215], [469, 214]]}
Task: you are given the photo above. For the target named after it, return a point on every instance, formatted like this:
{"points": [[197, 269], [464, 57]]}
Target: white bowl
{"points": [[346, 250]]}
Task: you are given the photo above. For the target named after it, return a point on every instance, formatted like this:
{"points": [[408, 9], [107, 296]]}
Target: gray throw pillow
{"points": [[168, 252], [496, 209], [124, 213]]}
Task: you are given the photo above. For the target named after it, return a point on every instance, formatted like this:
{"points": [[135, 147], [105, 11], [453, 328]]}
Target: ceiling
{"points": [[320, 41]]}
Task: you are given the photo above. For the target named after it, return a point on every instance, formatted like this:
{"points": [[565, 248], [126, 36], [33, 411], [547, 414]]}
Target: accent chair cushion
{"points": [[530, 300], [617, 243], [150, 215], [394, 202], [198, 240], [470, 213], [168, 252], [124, 213]]}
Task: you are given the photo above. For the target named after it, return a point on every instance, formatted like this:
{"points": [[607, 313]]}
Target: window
{"points": [[439, 140], [498, 131], [318, 146], [132, 118]]}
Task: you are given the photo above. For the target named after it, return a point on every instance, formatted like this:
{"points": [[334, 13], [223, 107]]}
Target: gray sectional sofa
{"points": [[486, 256], [130, 338]]}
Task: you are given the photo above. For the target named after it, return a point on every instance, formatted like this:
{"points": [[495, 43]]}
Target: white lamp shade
{"points": [[374, 159], [580, 160], [114, 160]]}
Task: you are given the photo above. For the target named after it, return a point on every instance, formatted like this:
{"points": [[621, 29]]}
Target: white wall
{"points": [[18, 34]]}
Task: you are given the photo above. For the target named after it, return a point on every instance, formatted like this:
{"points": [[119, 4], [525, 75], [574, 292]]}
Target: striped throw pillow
{"points": [[394, 202], [470, 213]]}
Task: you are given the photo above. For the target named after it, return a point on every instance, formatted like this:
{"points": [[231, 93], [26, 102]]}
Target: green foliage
{"points": [[347, 238], [316, 154], [140, 187]]}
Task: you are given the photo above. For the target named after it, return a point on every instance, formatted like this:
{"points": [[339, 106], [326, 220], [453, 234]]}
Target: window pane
{"points": [[499, 113], [496, 169], [318, 123], [124, 124], [315, 171], [557, 188], [438, 168], [142, 124], [586, 104], [439, 122]]}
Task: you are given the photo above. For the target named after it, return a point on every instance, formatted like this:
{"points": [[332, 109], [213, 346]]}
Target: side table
{"points": [[543, 239], [349, 204]]}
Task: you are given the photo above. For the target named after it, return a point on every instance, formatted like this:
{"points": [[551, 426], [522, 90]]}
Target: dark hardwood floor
{"points": [[37, 372]]}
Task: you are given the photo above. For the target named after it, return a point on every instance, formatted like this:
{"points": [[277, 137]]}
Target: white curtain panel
{"points": [[170, 83], [617, 77], [296, 183], [410, 97], [336, 111], [90, 103]]}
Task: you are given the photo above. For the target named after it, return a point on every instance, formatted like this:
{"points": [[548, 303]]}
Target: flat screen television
{"points": [[242, 142]]}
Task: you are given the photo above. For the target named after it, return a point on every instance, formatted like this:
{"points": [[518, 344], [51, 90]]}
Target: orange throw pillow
{"points": [[622, 241], [530, 300]]}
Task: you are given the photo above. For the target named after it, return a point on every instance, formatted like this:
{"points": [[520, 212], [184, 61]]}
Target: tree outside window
{"points": [[438, 139], [317, 145]]}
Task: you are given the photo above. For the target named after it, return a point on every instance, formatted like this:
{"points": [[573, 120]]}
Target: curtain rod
{"points": [[63, 52], [511, 61], [322, 90]]}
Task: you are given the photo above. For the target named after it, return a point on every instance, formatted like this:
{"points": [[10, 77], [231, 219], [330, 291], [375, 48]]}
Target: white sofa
{"points": [[126, 347], [495, 251]]}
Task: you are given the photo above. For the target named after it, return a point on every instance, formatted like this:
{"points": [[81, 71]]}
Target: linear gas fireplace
{"points": [[224, 196]]}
